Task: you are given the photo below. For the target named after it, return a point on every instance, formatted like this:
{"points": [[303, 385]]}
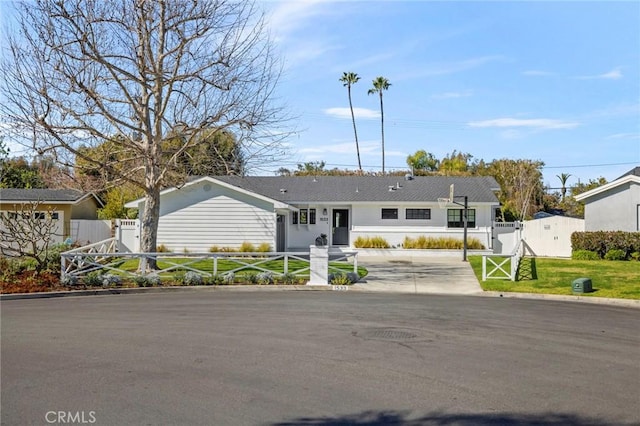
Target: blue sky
{"points": [[551, 81], [556, 81]]}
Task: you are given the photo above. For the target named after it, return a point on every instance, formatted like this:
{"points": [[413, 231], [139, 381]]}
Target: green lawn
{"points": [[618, 279]]}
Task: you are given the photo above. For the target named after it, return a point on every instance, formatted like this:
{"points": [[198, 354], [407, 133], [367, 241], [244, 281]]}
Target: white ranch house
{"points": [[288, 213]]}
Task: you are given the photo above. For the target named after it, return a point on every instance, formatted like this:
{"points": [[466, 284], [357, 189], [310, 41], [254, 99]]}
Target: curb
{"points": [[629, 303], [157, 290]]}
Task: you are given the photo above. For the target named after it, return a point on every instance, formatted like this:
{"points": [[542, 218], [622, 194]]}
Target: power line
{"points": [[590, 165]]}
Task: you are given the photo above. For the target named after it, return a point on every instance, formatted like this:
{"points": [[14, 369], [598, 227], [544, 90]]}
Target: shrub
{"points": [[92, 279], [288, 278], [10, 266], [179, 277], [214, 249], [615, 254], [216, 280], [264, 247], [585, 255], [251, 277], [603, 241], [162, 249], [265, 278], [153, 280], [69, 281], [109, 280], [353, 277], [423, 242], [192, 278], [371, 242], [139, 280], [228, 278], [340, 279], [635, 255], [52, 261], [147, 280], [247, 247]]}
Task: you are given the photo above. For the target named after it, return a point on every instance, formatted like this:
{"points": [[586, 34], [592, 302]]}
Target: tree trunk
{"points": [[382, 127], [151, 212], [355, 132]]}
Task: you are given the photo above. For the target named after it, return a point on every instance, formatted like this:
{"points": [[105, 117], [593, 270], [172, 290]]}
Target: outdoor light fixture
{"points": [[324, 212]]}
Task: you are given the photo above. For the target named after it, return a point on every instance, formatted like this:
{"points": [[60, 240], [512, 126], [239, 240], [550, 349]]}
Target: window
{"points": [[54, 216], [39, 215], [390, 213], [304, 217], [454, 218], [424, 214]]}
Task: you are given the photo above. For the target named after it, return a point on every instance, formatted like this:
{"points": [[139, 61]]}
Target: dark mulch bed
{"points": [[30, 282]]}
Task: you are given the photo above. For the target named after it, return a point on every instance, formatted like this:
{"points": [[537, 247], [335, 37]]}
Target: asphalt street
{"points": [[317, 358]]}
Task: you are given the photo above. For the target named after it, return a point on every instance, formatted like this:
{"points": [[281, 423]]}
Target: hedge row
{"points": [[602, 242]]}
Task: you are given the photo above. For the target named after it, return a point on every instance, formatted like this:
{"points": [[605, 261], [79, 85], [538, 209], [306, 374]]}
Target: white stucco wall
{"points": [[365, 219], [300, 237], [614, 210], [551, 236]]}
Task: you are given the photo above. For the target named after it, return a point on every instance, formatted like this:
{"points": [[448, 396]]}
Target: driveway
{"points": [[418, 274]]}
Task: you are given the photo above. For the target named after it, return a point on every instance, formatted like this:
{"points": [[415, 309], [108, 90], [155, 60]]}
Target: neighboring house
{"points": [[65, 205], [614, 206], [288, 213]]}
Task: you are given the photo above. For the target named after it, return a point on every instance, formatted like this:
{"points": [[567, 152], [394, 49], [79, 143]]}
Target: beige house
{"points": [[65, 205]]}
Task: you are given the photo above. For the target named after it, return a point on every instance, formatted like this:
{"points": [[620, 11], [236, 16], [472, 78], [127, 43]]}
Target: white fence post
{"points": [[319, 265], [484, 267]]}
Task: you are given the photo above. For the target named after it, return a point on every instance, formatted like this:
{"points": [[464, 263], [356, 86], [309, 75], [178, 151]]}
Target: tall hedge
{"points": [[603, 241]]}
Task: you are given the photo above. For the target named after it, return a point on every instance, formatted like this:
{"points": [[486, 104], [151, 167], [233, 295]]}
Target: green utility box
{"points": [[582, 285]]}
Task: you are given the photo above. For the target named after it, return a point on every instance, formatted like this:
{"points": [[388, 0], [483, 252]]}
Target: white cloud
{"points": [[288, 16], [453, 95], [301, 52], [533, 123], [614, 74], [624, 136], [361, 113]]}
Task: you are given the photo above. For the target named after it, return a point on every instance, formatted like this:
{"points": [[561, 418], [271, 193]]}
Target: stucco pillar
{"points": [[319, 264]]}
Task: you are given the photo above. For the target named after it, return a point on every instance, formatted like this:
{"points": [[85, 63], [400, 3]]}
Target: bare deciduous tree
{"points": [[28, 231], [81, 72]]}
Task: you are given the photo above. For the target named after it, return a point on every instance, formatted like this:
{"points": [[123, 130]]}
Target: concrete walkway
{"points": [[413, 274]]}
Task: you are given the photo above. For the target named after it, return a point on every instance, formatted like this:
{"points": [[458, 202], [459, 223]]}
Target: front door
{"points": [[340, 228]]}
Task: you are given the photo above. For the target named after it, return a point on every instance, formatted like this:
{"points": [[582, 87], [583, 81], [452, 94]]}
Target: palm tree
{"points": [[379, 85], [564, 177], [348, 79]]}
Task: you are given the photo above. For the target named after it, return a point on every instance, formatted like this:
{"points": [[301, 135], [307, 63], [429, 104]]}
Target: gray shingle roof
{"points": [[633, 172], [302, 189], [43, 195]]}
